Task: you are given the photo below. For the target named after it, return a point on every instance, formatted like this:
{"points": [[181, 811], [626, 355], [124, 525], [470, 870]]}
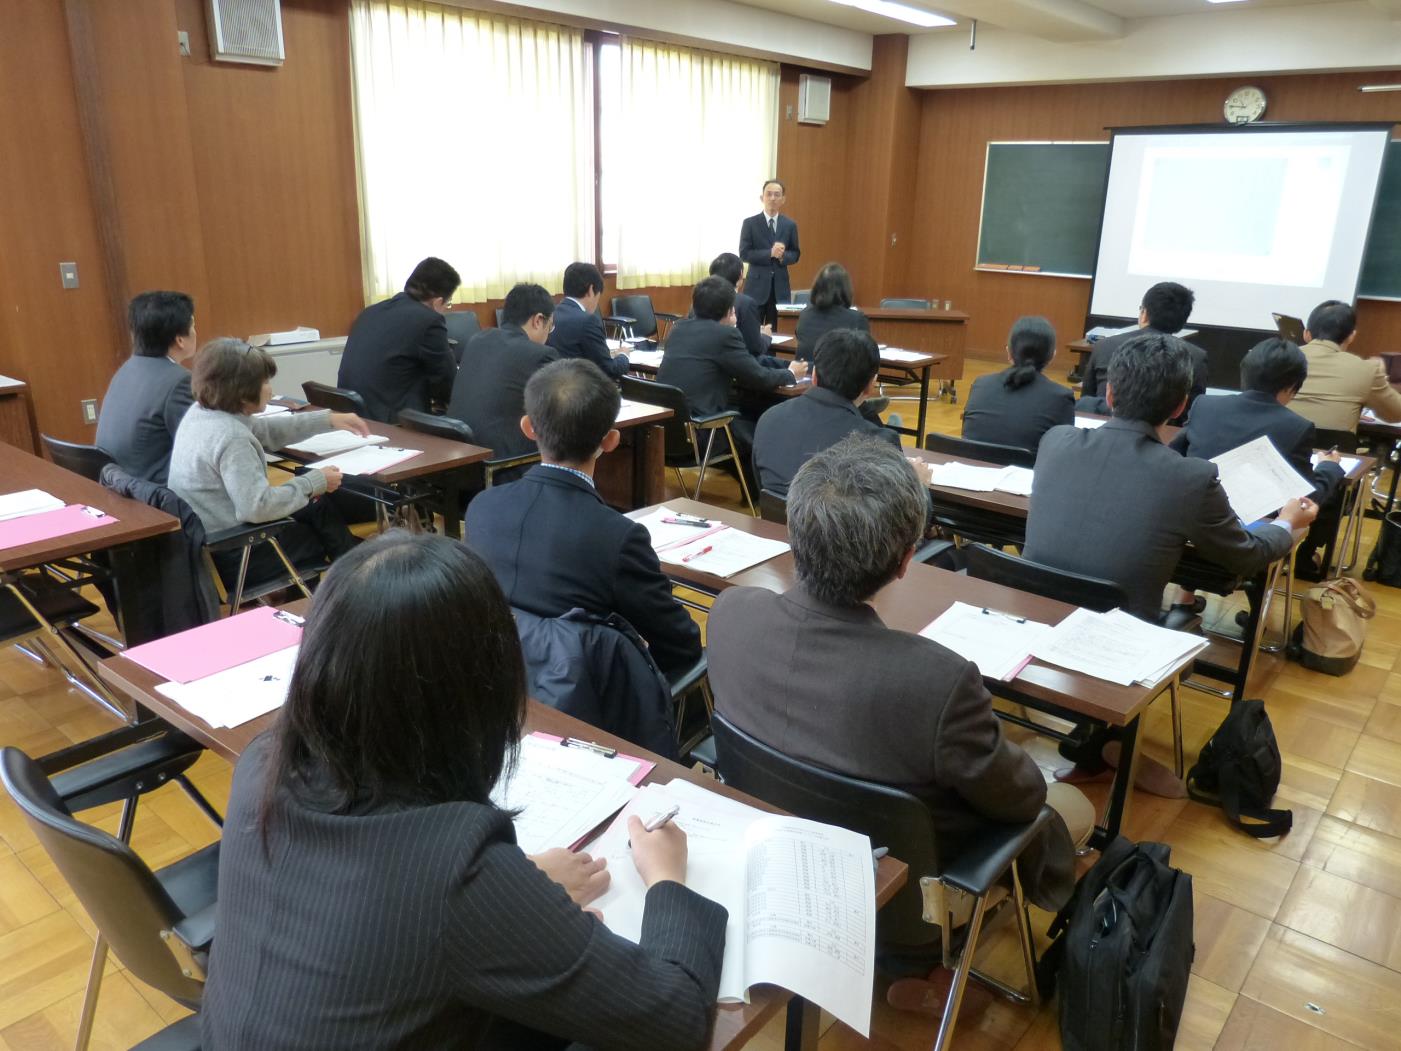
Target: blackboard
{"points": [[1041, 206], [1042, 203]]}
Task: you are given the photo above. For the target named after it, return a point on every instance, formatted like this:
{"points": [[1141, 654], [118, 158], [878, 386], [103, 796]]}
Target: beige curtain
{"points": [[474, 144], [703, 138]]}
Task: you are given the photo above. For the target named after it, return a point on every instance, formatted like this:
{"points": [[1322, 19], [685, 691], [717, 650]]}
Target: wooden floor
{"points": [[1298, 939]]}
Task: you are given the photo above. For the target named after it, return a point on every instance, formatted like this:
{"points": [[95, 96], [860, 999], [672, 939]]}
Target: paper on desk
{"points": [[1000, 644], [666, 535], [1347, 463], [895, 354], [1115, 646], [562, 794], [631, 410], [723, 553], [236, 695], [779, 338], [329, 443], [273, 409], [27, 502], [1258, 481], [220, 644], [1016, 480], [370, 459], [1088, 423], [49, 525], [652, 358], [956, 475]]}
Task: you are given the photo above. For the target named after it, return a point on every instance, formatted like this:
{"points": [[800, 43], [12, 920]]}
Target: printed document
{"points": [[332, 442], [27, 502], [368, 459], [1116, 646], [236, 695], [1347, 463], [652, 358], [902, 356], [1000, 644], [955, 475], [724, 553], [1258, 481]]}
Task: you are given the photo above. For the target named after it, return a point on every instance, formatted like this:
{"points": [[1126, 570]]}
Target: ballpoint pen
{"points": [[697, 554]]}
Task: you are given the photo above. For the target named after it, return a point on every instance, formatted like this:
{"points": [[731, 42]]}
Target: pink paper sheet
{"points": [[75, 518], [212, 648]]}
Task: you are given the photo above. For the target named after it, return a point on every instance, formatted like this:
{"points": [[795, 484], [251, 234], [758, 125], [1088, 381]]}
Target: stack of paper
{"points": [[778, 339], [893, 354], [273, 409], [800, 895], [368, 459], [337, 441], [1347, 463], [1116, 646], [234, 696], [562, 793], [27, 502], [1000, 644], [668, 528], [724, 553], [955, 475], [1089, 423], [651, 358], [1258, 481]]}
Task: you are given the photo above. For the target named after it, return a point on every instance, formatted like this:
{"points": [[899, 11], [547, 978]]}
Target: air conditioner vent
{"points": [[246, 31]]}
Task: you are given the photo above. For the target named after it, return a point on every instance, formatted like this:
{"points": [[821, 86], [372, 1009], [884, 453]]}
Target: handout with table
{"points": [[956, 475], [1258, 480], [707, 545], [353, 453], [32, 515]]}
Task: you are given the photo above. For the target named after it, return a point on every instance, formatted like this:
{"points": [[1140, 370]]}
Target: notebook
{"points": [[332, 442]]}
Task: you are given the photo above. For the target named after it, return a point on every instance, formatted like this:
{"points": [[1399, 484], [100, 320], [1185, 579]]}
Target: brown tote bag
{"points": [[1335, 625]]}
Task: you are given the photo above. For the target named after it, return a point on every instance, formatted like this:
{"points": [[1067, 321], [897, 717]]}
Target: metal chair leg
{"points": [[197, 797], [48, 637], [1178, 761], [237, 599], [960, 978], [1024, 935], [94, 987], [705, 462], [291, 569], [739, 469]]}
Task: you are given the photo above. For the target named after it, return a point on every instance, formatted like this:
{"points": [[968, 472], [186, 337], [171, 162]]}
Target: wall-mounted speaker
{"points": [[814, 99], [247, 31]]}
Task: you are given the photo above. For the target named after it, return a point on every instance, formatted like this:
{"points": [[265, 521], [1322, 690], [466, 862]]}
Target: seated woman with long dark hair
{"points": [[1018, 405], [370, 894], [829, 308]]}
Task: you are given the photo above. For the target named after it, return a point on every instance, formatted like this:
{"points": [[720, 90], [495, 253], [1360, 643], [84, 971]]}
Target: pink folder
{"points": [[226, 643], [75, 518]]}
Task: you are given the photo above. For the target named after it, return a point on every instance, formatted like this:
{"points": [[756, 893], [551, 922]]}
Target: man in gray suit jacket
{"points": [[832, 685]]}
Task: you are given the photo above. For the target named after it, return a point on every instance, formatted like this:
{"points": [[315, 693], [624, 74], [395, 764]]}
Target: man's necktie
{"points": [[773, 226]]}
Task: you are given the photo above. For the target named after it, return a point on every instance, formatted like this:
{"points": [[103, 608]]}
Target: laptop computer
{"points": [[1291, 328]]}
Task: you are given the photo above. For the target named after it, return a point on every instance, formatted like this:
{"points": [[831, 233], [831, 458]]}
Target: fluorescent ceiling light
{"points": [[905, 13], [1223, 1]]}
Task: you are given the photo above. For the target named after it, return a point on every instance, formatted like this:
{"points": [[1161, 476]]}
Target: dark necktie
{"points": [[773, 226]]}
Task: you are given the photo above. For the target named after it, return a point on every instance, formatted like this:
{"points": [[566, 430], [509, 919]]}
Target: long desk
{"points": [[634, 474], [941, 332], [18, 426], [735, 1024], [924, 593]]}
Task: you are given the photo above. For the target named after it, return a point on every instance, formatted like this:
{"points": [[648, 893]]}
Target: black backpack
{"points": [[1384, 563], [1238, 770], [1124, 951]]}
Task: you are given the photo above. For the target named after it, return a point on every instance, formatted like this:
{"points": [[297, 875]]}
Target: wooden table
{"points": [[926, 592], [18, 427], [634, 474], [1081, 348], [450, 466], [735, 1024], [1385, 432]]}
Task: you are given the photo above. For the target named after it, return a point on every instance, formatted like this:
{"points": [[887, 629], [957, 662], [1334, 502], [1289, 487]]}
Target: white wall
{"points": [[1313, 39], [718, 24]]}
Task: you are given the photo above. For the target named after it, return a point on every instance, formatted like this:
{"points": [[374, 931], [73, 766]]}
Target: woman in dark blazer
{"points": [[372, 896], [1018, 405], [829, 308]]}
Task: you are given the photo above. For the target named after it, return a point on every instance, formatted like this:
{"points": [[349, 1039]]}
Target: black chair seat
{"points": [[183, 1035], [60, 606], [193, 882]]}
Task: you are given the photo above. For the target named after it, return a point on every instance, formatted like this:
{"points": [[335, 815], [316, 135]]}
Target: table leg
{"points": [[1121, 788], [800, 1033], [133, 564], [923, 404]]}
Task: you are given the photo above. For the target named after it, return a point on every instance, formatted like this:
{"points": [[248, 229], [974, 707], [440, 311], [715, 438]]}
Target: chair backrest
{"points": [[639, 307], [500, 313], [772, 507], [891, 817], [987, 563], [86, 460], [337, 399], [118, 889], [462, 326], [678, 440], [438, 426], [1343, 441], [800, 297], [990, 452], [898, 303]]}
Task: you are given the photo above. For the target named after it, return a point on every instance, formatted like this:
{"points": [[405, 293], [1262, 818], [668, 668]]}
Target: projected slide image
{"points": [[1258, 214]]}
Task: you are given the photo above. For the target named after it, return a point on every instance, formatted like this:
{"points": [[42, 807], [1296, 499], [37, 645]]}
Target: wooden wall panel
{"points": [[957, 125], [62, 342]]}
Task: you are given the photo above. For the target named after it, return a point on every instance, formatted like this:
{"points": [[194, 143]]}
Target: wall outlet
{"points": [[89, 410], [182, 38], [68, 274]]}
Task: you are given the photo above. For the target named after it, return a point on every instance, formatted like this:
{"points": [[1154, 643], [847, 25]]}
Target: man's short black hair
{"points": [[774, 182], [1332, 320], [432, 279], [1273, 365], [831, 287], [523, 302], [728, 266], [155, 319], [1150, 376], [1168, 306], [712, 298], [580, 279], [572, 405], [847, 360]]}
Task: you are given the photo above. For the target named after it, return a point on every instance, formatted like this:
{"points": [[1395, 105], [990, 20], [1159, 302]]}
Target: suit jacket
{"points": [[145, 402], [1096, 372], [994, 412], [791, 433], [1222, 422], [579, 334], [1340, 384], [427, 927], [837, 688], [748, 322], [489, 392], [555, 546], [703, 357], [768, 277], [397, 357], [814, 323], [1116, 503]]}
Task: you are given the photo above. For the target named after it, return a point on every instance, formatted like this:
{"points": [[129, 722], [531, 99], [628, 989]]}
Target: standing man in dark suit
{"points": [[397, 356], [150, 393], [1270, 375], [553, 543], [1165, 308], [843, 376], [768, 243], [489, 392], [578, 328], [758, 337]]}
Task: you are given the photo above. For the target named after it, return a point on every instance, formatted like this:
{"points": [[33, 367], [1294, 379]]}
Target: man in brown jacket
{"points": [[1341, 384]]}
